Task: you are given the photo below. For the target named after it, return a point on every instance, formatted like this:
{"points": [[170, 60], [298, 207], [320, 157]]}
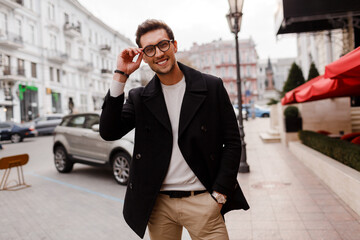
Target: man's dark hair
{"points": [[150, 25]]}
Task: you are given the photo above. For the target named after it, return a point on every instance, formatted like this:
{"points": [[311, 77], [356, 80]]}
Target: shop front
{"points": [[29, 103]]}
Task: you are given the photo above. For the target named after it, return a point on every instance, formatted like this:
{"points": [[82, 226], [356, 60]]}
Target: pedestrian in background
{"points": [[187, 144]]}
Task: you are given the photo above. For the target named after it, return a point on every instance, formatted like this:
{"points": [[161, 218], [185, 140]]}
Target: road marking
{"points": [[78, 188]]}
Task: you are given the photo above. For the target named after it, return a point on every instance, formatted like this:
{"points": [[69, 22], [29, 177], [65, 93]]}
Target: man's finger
{"points": [[138, 61]]}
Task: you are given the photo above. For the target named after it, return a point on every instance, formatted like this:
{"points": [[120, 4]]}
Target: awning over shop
{"points": [[342, 78], [295, 16], [347, 66], [322, 88]]}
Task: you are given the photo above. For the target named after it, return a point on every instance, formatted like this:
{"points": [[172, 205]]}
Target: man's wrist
{"points": [[119, 77], [220, 198], [122, 73]]}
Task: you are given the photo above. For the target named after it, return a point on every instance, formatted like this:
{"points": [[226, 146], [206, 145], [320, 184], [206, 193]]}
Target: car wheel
{"points": [[265, 115], [62, 161], [121, 167], [15, 138]]}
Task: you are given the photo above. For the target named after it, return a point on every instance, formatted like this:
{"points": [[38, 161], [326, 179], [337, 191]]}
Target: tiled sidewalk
{"points": [[287, 200]]}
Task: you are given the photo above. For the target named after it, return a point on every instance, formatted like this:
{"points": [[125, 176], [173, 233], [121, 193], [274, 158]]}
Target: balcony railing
{"points": [[21, 2], [10, 40], [57, 56], [72, 30], [13, 4], [21, 71], [7, 70], [12, 74], [105, 48], [13, 71], [106, 71], [84, 66]]}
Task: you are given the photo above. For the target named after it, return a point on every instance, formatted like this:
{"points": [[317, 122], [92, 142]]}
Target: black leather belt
{"points": [[181, 194]]}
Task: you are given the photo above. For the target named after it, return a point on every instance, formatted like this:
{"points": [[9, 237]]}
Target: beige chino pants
{"points": [[199, 214]]}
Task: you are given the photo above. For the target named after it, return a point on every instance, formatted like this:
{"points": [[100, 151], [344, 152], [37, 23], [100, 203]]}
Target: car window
{"points": [[53, 118], [77, 122], [39, 119], [4, 125], [91, 120], [65, 121]]}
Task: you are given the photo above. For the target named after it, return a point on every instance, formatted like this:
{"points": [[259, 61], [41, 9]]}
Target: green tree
{"points": [[294, 79], [313, 72]]}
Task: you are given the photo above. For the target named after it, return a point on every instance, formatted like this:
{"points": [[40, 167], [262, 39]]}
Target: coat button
{"points": [[130, 185], [203, 128], [138, 156]]}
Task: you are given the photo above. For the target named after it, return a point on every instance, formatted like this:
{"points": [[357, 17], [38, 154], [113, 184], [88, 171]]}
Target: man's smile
{"points": [[162, 62]]}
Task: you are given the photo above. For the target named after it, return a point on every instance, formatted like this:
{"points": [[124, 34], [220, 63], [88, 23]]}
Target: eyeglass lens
{"points": [[163, 45]]}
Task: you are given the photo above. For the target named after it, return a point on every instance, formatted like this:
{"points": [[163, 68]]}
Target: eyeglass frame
{"points": [[157, 45]]}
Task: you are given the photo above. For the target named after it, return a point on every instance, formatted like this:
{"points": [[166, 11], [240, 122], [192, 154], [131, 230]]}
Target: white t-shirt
{"points": [[179, 176]]}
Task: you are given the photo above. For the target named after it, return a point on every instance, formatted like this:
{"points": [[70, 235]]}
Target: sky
{"points": [[200, 21]]}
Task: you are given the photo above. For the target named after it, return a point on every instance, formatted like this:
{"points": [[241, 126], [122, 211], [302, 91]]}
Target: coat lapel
{"points": [[155, 102], [195, 95]]}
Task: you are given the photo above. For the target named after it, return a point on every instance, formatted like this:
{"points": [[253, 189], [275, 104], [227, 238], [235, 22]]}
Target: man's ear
{"points": [[175, 46]]}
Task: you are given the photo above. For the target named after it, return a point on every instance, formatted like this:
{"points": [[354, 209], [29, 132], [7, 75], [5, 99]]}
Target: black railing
{"points": [[7, 70], [105, 71], [105, 47], [21, 71], [21, 2], [69, 26]]}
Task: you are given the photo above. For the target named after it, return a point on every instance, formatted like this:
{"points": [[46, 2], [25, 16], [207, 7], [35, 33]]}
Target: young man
{"points": [[187, 144]]}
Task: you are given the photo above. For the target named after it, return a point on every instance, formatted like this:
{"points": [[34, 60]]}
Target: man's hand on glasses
{"points": [[125, 61]]}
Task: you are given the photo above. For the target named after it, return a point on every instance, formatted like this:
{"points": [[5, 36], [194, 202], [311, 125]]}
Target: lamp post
{"points": [[234, 19]]}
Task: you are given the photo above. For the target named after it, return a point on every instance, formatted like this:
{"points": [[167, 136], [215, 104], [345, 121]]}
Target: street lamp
{"points": [[234, 19]]}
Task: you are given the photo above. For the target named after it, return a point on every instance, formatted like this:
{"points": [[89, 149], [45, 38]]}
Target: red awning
{"points": [[347, 66], [321, 88], [290, 97], [341, 79]]}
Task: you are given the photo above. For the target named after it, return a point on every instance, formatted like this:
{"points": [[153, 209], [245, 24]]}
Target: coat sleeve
{"points": [[226, 182], [117, 118]]}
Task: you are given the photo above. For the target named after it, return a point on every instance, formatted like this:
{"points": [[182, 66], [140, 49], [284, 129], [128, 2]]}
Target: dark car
{"points": [[15, 132], [46, 124]]}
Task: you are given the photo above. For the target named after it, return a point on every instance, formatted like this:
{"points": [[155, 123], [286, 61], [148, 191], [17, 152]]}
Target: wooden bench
{"points": [[8, 163]]}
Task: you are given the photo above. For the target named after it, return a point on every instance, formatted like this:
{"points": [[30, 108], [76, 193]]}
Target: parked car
{"points": [[77, 140], [259, 111], [244, 112], [46, 124], [16, 132]]}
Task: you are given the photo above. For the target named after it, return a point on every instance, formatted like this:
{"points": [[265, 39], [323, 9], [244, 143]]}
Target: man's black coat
{"points": [[208, 139]]}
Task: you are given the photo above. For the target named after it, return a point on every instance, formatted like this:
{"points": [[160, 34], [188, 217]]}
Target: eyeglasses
{"points": [[163, 46]]}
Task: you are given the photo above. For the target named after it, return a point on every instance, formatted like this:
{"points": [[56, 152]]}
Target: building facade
{"points": [[219, 58], [321, 47], [56, 57], [271, 76]]}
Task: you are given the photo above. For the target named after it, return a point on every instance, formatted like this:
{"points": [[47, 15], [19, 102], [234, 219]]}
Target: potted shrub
{"points": [[293, 121]]}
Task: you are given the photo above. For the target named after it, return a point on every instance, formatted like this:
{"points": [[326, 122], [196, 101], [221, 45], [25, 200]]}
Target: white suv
{"points": [[77, 140]]}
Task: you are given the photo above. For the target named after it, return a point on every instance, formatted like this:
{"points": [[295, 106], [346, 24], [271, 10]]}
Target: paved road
{"points": [[84, 204]]}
